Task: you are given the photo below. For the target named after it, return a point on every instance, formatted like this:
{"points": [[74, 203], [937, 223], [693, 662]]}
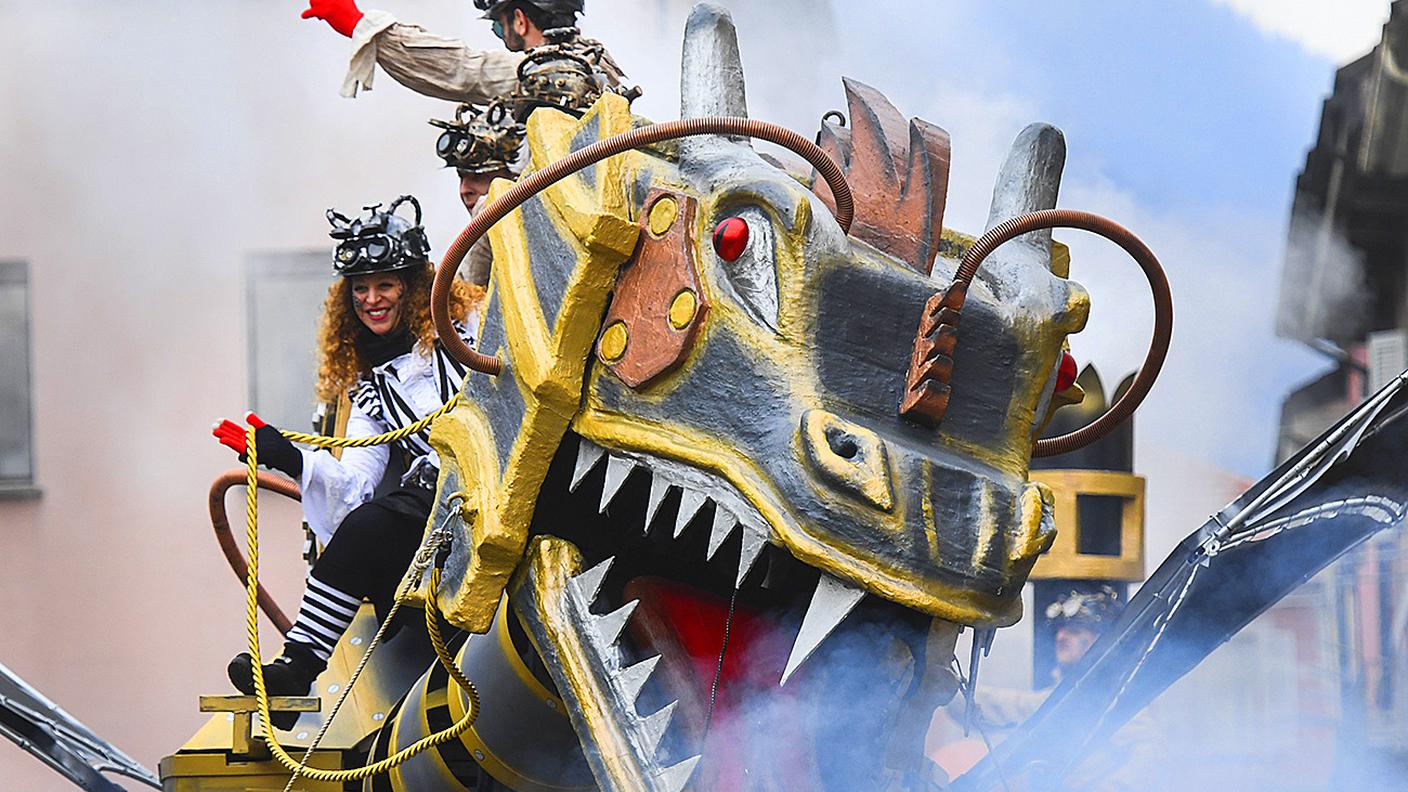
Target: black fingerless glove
{"points": [[277, 452]]}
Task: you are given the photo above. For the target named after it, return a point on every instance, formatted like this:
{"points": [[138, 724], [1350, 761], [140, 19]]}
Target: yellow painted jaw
{"points": [[504, 461]]}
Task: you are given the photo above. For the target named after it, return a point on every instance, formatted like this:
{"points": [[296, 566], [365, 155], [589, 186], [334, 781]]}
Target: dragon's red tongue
{"points": [[758, 735]]}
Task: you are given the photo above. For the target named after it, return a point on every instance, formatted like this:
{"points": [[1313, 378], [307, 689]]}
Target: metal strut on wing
{"points": [[38, 726], [1334, 494]]}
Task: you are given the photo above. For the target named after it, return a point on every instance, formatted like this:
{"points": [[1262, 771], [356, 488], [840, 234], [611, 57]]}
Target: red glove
{"points": [[275, 450], [342, 15], [232, 435]]}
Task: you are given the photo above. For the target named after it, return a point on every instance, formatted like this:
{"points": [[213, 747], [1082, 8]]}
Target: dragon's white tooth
{"points": [[588, 583], [674, 777], [617, 469], [830, 604], [608, 628], [690, 504], [724, 521], [753, 542], [659, 485], [588, 455], [652, 727], [632, 678]]}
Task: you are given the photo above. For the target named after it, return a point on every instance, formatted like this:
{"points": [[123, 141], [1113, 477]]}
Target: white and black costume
{"points": [[370, 540], [404, 385]]}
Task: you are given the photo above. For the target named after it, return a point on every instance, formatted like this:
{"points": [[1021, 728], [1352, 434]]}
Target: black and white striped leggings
{"points": [[365, 559]]}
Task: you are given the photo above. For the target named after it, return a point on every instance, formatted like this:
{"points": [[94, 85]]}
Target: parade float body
{"points": [[749, 449]]}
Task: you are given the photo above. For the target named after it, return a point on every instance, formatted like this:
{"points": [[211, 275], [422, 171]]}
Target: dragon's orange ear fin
{"points": [[898, 171]]}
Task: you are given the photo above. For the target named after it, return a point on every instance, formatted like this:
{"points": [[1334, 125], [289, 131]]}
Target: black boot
{"points": [[290, 674]]}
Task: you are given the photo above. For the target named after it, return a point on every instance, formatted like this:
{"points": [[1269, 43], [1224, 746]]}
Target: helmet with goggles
{"points": [[382, 241], [486, 141], [1094, 609], [566, 73], [492, 8]]}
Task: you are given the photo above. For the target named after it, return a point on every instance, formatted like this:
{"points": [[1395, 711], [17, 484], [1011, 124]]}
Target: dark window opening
{"points": [[16, 415], [1101, 519], [285, 299]]}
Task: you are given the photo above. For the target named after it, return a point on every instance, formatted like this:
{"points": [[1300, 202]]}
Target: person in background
{"points": [[484, 143], [481, 144], [1126, 762], [447, 68]]}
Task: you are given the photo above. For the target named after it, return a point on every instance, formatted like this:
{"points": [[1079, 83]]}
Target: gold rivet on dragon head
{"points": [[662, 215], [683, 308], [613, 342]]}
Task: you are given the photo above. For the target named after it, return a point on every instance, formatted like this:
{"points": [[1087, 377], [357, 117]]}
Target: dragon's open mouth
{"points": [[686, 621]]}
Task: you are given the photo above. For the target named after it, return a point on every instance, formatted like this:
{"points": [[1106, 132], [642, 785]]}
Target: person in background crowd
{"points": [[481, 144], [447, 68], [1126, 762]]}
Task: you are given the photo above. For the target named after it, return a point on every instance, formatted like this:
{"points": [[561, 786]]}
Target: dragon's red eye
{"points": [[1066, 374], [731, 238]]}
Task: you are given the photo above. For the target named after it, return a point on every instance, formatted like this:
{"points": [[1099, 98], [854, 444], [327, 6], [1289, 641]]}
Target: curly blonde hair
{"points": [[339, 362]]}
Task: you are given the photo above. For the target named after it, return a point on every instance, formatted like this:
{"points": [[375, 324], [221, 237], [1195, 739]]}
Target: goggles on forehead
{"points": [[479, 140], [375, 251], [1067, 608], [1082, 606], [453, 144]]}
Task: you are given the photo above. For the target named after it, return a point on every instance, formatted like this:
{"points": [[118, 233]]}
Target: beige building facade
{"points": [[165, 171]]}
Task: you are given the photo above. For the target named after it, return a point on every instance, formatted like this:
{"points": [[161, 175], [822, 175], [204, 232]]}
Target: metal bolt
{"points": [[378, 716], [683, 308], [613, 342], [356, 641], [478, 754], [663, 215], [333, 688]]}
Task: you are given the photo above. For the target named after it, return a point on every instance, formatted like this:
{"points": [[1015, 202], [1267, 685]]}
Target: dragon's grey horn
{"points": [[1029, 180], [711, 73]]}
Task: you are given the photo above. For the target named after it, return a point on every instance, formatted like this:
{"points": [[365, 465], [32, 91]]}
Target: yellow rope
{"points": [[323, 441], [432, 626], [252, 616]]}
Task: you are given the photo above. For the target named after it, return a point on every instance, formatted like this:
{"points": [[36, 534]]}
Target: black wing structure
{"points": [[39, 726], [1346, 486]]}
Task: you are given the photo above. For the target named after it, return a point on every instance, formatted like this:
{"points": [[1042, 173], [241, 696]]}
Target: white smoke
{"points": [[1326, 291]]}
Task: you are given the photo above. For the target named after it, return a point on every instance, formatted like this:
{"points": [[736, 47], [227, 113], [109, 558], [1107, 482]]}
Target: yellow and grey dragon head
{"points": [[702, 384]]}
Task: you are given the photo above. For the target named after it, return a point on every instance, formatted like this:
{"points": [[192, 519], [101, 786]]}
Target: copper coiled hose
{"points": [[1163, 310], [827, 168], [536, 182], [221, 522]]}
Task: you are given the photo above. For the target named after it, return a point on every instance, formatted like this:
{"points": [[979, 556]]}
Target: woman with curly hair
{"points": [[377, 344]]}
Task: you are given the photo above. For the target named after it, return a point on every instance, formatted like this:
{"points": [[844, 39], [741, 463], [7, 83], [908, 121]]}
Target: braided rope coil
{"points": [[300, 768]]}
